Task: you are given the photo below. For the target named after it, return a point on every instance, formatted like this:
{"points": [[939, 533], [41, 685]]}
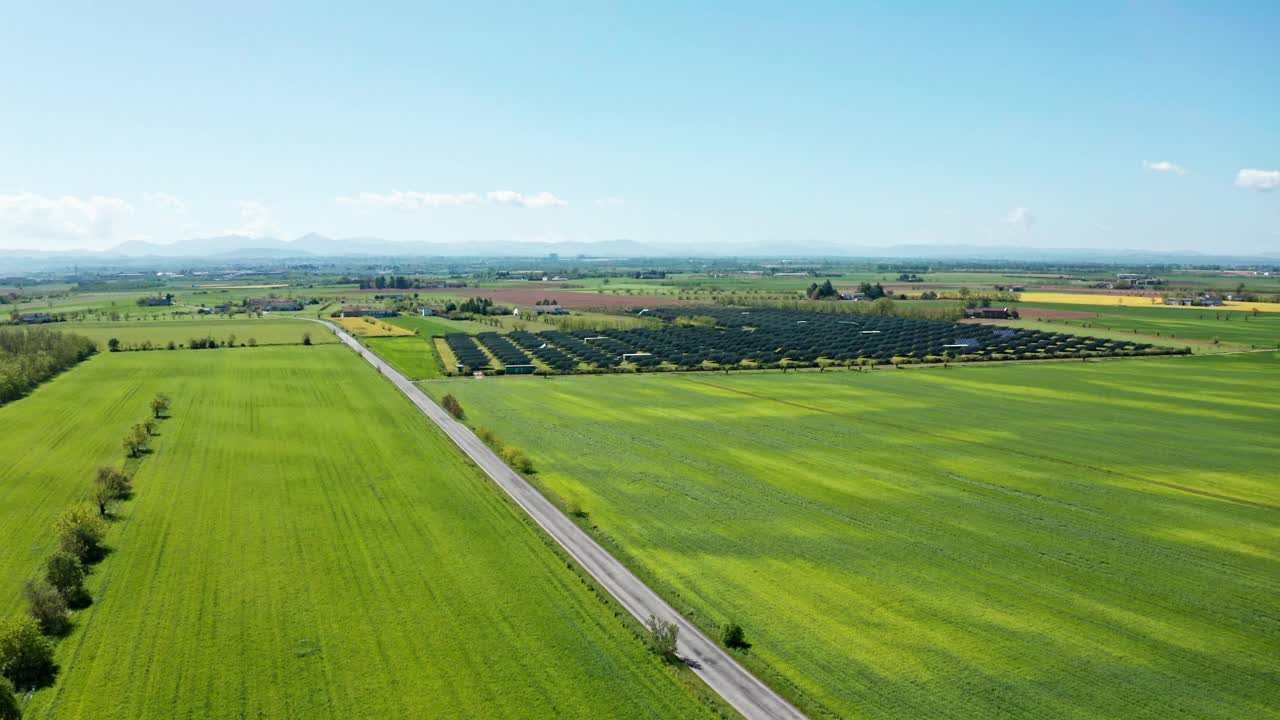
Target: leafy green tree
{"points": [[26, 655], [65, 573], [48, 608], [160, 405], [733, 637], [81, 532], [661, 638], [113, 345], [9, 708]]}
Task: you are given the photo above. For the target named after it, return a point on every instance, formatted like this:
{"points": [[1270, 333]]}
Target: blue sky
{"points": [[1139, 125]]}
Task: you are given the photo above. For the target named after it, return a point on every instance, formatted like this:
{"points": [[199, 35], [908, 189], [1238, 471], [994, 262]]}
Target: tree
{"points": [[26, 655], [65, 573], [662, 638], [48, 608], [81, 532], [517, 459], [9, 709], [149, 427], [733, 637], [113, 345], [160, 405], [453, 407], [135, 441], [306, 338]]}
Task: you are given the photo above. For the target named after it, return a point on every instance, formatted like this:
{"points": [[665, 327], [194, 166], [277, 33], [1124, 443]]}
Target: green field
{"points": [[303, 544], [1227, 326], [265, 331], [415, 356], [1082, 540]]}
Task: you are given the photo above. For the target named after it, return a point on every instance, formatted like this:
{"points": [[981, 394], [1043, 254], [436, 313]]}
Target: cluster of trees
{"points": [[165, 299], [910, 277], [29, 356], [825, 291], [26, 643], [115, 345], [872, 292], [477, 306], [381, 282], [547, 301]]}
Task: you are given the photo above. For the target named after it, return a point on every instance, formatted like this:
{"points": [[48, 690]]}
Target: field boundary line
{"points": [[714, 665], [1014, 451]]}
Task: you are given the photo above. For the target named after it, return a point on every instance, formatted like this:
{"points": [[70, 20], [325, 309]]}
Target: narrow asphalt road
{"points": [[721, 672]]}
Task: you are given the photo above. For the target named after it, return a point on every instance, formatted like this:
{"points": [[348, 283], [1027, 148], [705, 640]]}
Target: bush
{"points": [[517, 459], [48, 608], [81, 532], [453, 407], [26, 656], [662, 638], [9, 709], [732, 636], [65, 573]]}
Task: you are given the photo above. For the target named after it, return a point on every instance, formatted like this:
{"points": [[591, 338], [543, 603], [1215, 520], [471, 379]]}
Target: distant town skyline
{"points": [[1149, 126]]}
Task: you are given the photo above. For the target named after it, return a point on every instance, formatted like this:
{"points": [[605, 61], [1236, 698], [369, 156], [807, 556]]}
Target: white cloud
{"points": [[1258, 179], [1020, 218], [165, 201], [257, 220], [63, 219], [424, 200], [1164, 166], [536, 200]]}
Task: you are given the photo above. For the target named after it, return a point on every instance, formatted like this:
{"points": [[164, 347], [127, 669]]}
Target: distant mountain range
{"points": [[232, 248]]}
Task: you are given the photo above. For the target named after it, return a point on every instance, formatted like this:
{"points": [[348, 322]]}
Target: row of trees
{"points": [[26, 643], [29, 356]]}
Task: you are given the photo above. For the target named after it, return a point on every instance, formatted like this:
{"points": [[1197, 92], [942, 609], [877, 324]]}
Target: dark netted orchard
{"points": [[780, 338]]}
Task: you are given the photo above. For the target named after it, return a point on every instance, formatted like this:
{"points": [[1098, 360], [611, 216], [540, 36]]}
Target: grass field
{"points": [[266, 331], [1237, 328], [415, 356], [1071, 540], [303, 545]]}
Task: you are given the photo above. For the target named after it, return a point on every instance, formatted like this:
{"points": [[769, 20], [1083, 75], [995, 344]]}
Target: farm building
{"points": [[281, 304], [989, 313], [363, 311], [426, 311], [35, 318]]}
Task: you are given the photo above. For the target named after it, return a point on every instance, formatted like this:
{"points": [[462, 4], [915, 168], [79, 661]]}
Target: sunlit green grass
{"points": [[1085, 540], [1232, 327], [159, 332], [415, 355], [303, 544]]}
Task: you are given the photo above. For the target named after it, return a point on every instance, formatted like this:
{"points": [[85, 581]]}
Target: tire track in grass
{"points": [[1001, 448]]}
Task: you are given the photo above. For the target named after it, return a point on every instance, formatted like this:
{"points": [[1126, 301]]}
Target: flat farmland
{"points": [[415, 356], [1075, 540], [266, 331], [304, 544], [1169, 325]]}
